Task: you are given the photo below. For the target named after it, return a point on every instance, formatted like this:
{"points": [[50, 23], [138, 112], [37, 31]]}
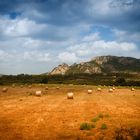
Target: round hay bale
{"points": [[38, 93], [57, 87], [46, 88], [13, 85], [110, 90], [70, 84], [113, 88], [99, 89], [4, 89], [70, 95], [132, 89], [21, 86], [89, 91], [29, 86]]}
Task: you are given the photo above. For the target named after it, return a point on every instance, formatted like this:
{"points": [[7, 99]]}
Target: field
{"points": [[110, 116]]}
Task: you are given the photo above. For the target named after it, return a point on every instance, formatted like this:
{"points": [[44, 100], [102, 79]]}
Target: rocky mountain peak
{"points": [[102, 59], [101, 64], [60, 69]]}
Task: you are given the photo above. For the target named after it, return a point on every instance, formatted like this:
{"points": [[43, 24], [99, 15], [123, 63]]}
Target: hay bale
{"points": [[13, 85], [46, 88], [70, 84], [29, 86], [99, 89], [132, 89], [21, 86], [110, 90], [57, 87], [38, 93], [4, 89], [113, 88], [89, 91], [70, 95]]}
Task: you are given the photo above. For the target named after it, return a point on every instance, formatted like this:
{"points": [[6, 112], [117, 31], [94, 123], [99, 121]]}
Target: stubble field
{"points": [[24, 116]]}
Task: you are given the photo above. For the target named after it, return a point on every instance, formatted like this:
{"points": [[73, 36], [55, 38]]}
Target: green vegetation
{"points": [[126, 64], [103, 126], [95, 119], [107, 115], [85, 126], [110, 70], [100, 115], [78, 78], [88, 126]]}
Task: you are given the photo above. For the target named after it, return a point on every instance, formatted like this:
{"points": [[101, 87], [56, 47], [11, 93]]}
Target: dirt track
{"points": [[53, 116]]}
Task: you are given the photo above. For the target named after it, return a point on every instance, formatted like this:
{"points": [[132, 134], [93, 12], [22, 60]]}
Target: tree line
{"points": [[122, 79]]}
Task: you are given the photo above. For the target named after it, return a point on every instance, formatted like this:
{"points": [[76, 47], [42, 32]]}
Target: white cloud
{"points": [[92, 37], [36, 56], [16, 56], [47, 35], [100, 8], [102, 47], [19, 27], [68, 57], [5, 57], [126, 36], [113, 46]]}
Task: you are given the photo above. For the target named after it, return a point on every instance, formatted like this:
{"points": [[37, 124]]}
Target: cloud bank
{"points": [[36, 35]]}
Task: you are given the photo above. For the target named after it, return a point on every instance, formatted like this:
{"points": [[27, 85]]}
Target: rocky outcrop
{"points": [[61, 69], [101, 59], [101, 64]]}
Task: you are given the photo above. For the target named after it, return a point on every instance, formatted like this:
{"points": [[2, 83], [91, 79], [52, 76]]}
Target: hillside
{"points": [[101, 64], [102, 70]]}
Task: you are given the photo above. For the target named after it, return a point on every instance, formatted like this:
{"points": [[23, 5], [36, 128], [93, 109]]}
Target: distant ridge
{"points": [[100, 64]]}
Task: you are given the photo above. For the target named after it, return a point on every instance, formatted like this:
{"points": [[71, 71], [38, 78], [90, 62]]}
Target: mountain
{"points": [[1, 75], [101, 64], [61, 69]]}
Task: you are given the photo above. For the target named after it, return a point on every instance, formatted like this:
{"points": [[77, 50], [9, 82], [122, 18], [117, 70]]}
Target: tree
{"points": [[120, 81]]}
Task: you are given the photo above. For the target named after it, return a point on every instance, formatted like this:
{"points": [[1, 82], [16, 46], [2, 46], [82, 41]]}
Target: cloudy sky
{"points": [[37, 35]]}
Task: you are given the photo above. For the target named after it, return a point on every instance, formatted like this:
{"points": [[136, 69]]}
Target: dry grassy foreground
{"points": [[54, 117]]}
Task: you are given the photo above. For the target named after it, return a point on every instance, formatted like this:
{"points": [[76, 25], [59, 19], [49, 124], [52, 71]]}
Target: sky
{"points": [[37, 35]]}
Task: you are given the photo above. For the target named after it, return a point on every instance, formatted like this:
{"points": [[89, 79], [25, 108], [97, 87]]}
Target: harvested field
{"points": [[24, 116]]}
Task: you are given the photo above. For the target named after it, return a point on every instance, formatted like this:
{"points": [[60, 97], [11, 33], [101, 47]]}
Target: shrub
{"points": [[100, 115], [122, 134], [29, 93], [85, 126], [107, 115], [95, 119], [103, 126]]}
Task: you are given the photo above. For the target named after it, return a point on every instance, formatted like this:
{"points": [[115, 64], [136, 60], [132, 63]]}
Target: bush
{"points": [[100, 115], [85, 126], [95, 119], [121, 134], [120, 81], [103, 126], [107, 115]]}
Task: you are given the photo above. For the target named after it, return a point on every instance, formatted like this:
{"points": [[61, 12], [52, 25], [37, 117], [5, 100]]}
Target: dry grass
{"points": [[52, 116]]}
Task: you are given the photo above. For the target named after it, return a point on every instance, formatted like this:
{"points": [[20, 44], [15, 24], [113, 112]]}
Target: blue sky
{"points": [[37, 35]]}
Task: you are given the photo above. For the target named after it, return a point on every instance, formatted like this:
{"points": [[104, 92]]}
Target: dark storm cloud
{"points": [[122, 14]]}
